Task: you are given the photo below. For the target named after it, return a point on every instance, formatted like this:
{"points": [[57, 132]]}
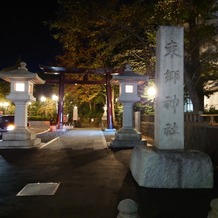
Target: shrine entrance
{"points": [[62, 76]]}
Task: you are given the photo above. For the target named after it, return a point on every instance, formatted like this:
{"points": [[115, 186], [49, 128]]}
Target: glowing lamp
{"points": [[19, 86], [128, 82], [128, 88]]}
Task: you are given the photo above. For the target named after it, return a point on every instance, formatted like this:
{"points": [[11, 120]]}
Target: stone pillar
{"points": [[169, 114], [168, 165], [110, 124], [128, 115], [20, 118], [61, 101], [138, 120]]}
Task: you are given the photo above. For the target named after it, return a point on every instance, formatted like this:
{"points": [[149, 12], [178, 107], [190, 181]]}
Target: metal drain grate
{"points": [[33, 189]]}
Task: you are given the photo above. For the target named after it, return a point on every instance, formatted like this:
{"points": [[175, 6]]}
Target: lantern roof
{"points": [[130, 76], [21, 73]]}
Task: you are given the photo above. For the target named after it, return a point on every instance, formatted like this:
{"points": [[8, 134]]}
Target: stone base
{"points": [[126, 143], [153, 168], [127, 138], [110, 130], [20, 144], [19, 138], [19, 134]]}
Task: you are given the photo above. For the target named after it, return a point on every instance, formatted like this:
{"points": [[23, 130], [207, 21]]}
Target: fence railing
{"points": [[189, 117], [193, 117]]}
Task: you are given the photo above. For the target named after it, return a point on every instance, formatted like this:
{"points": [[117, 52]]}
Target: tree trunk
{"points": [[192, 74], [196, 98]]}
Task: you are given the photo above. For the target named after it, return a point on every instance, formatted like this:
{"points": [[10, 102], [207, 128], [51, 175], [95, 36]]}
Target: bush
{"points": [[38, 118]]}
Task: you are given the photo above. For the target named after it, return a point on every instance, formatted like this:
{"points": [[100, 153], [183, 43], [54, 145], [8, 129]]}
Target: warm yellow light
{"points": [[151, 91], [10, 127], [4, 104], [43, 99], [19, 87], [54, 97]]}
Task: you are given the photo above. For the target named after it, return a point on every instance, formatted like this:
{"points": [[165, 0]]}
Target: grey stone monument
{"points": [[169, 121], [167, 164]]}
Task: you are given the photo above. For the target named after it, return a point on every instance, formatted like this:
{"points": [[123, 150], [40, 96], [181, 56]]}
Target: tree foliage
{"points": [[199, 20], [88, 98], [112, 33]]}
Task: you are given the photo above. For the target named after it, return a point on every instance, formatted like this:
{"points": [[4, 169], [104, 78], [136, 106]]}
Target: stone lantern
{"points": [[21, 93], [128, 82]]}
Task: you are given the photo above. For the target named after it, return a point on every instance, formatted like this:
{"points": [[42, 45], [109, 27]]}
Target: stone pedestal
{"points": [[153, 168], [19, 138], [110, 130], [127, 138]]}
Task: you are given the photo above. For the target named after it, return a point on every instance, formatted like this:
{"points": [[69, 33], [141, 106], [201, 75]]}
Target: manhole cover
{"points": [[32, 189]]}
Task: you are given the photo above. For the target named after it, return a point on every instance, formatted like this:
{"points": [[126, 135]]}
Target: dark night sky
{"points": [[24, 35]]}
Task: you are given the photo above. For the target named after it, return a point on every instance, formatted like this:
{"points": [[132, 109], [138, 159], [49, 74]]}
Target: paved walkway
{"points": [[79, 139], [92, 180]]}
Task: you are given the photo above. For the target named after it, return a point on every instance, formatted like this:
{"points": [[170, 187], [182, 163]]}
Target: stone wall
{"points": [[147, 125]]}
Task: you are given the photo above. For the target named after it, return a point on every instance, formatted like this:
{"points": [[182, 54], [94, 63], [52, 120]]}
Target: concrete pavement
{"points": [[93, 180], [78, 139]]}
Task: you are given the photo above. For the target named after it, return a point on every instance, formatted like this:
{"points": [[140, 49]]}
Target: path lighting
{"points": [[43, 99], [75, 113], [152, 91], [54, 97]]}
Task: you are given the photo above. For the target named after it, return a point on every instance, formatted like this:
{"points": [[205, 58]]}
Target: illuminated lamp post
{"points": [[21, 93], [43, 99], [151, 92], [55, 99], [75, 113], [128, 136]]}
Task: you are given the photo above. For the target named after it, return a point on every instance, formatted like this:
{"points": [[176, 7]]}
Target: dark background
{"points": [[24, 35]]}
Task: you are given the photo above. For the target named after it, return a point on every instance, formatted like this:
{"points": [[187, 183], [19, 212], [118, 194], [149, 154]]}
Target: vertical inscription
{"points": [[171, 75]]}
